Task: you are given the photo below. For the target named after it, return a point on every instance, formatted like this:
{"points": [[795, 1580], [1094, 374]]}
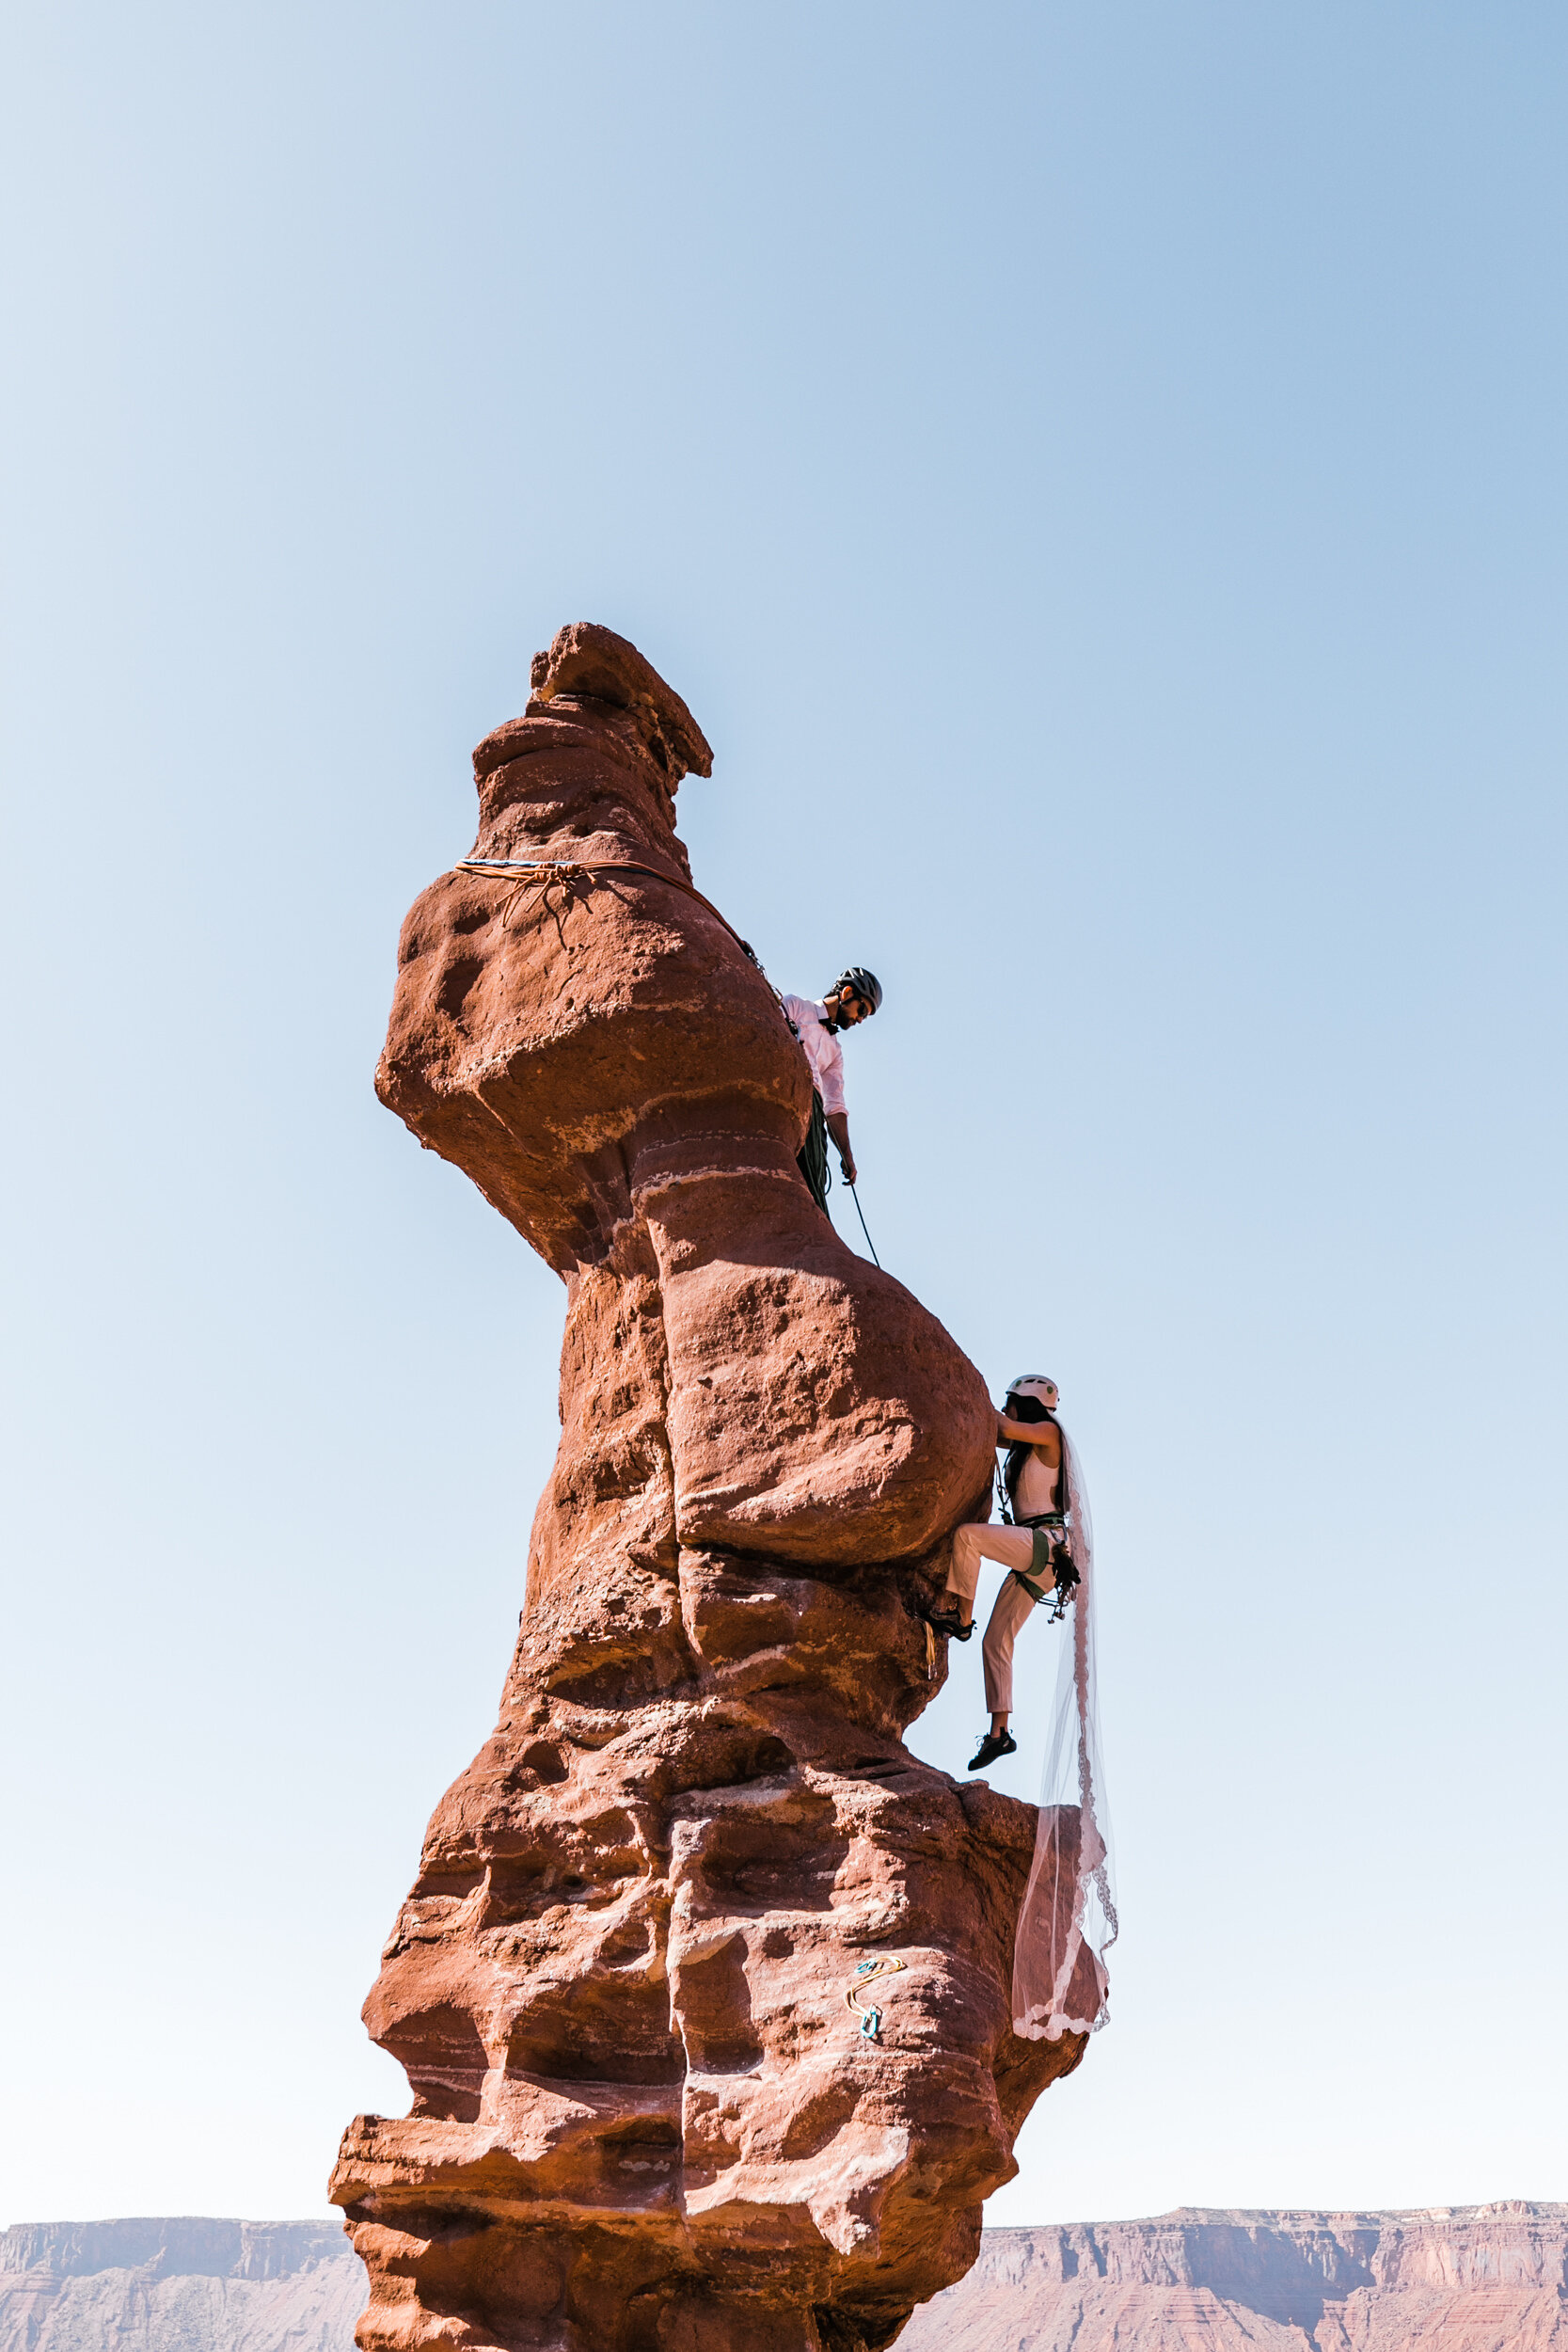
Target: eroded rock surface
{"points": [[644, 2119]]}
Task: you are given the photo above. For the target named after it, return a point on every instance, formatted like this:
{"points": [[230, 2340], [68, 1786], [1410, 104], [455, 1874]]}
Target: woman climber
{"points": [[1035, 1545]]}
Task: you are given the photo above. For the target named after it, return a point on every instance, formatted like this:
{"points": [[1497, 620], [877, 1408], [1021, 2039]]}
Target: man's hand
{"points": [[838, 1127]]}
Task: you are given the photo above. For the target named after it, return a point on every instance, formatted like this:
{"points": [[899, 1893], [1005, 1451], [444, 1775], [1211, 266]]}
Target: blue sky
{"points": [[1099, 479]]}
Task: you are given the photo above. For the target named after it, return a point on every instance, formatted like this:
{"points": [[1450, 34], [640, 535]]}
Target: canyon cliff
{"points": [[1469, 2278], [184, 2285], [1472, 2279], [645, 2116]]}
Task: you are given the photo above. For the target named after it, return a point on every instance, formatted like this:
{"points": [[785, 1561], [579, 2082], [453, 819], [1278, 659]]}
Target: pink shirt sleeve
{"points": [[823, 1053]]}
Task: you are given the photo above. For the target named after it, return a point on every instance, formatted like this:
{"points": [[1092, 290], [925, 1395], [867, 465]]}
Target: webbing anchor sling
{"points": [[542, 871]]}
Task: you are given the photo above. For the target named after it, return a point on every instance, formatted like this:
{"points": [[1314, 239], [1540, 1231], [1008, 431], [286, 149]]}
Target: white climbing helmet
{"points": [[1034, 1384]]}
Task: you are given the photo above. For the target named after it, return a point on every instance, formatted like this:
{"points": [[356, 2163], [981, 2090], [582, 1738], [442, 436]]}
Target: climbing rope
{"points": [[865, 1228], [866, 1976]]}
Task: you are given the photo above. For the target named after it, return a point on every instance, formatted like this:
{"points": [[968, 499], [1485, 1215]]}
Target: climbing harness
{"points": [[1049, 1555], [1067, 1576], [865, 1977], [865, 1228]]}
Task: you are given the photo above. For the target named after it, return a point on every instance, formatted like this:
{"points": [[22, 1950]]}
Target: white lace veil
{"points": [[1069, 1919]]}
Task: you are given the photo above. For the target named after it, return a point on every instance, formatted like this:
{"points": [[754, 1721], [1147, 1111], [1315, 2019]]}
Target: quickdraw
{"points": [[865, 1977]]}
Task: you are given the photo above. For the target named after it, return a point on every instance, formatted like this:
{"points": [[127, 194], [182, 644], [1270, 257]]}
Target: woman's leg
{"points": [[1013, 1605], [963, 1574], [1013, 1546]]}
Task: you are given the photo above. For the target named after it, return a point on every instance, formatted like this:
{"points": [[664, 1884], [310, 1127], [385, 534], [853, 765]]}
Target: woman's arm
{"points": [[1039, 1433]]}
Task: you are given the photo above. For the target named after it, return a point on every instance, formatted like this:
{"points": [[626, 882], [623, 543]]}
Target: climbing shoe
{"points": [[995, 1744], [949, 1622]]}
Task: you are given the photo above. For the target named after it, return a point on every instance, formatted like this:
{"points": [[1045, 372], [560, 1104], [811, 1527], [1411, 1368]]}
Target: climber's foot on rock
{"points": [[995, 1744], [949, 1622]]}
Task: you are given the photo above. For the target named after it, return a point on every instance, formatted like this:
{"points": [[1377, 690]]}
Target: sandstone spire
{"points": [[646, 2117]]}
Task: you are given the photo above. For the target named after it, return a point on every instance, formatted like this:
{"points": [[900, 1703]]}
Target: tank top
{"points": [[1037, 1488]]}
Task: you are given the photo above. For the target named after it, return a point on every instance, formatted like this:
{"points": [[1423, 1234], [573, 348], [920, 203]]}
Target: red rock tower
{"points": [[645, 2117]]}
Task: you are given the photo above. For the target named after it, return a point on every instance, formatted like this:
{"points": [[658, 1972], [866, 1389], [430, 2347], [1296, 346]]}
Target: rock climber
{"points": [[1034, 1544], [816, 1022]]}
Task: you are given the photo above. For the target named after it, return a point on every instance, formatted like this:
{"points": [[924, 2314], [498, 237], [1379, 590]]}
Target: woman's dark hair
{"points": [[1027, 1409]]}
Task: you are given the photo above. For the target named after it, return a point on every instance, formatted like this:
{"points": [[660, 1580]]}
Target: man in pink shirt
{"points": [[816, 1022]]}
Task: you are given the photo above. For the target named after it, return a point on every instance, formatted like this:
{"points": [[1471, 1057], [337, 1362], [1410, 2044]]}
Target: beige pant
{"points": [[1014, 1547]]}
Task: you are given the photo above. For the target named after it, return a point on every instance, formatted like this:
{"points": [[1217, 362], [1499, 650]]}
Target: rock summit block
{"points": [[645, 2117]]}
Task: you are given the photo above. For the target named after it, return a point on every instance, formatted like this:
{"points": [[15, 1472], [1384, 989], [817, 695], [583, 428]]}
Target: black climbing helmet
{"points": [[866, 985]]}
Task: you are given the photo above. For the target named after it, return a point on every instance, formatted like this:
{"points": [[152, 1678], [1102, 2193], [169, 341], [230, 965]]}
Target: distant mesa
{"points": [[1468, 2279], [180, 2285], [1461, 2279]]}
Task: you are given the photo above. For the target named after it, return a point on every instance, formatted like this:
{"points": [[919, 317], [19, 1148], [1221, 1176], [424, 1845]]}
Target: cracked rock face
{"points": [[645, 2118]]}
